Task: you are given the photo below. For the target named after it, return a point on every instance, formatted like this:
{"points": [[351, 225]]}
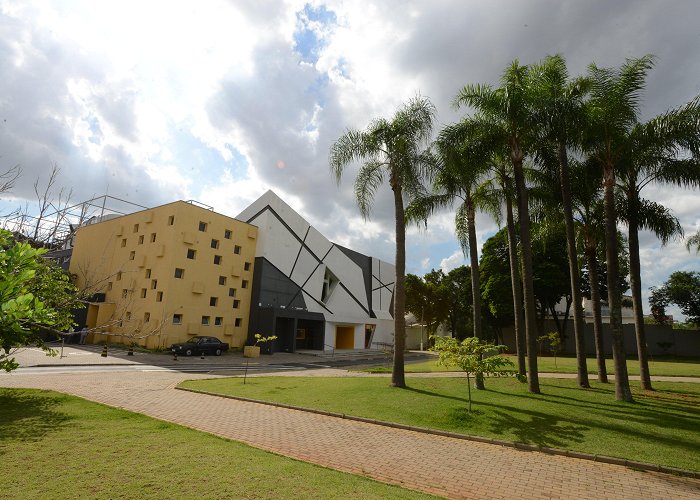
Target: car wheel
{"points": [[218, 352], [188, 352]]}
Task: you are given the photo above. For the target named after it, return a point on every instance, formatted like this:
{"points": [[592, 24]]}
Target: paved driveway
{"points": [[440, 465]]}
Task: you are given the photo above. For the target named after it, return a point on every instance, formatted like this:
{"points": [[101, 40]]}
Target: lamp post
{"points": [[422, 324]]}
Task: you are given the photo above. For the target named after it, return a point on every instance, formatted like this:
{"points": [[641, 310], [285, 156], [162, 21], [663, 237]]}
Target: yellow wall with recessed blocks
{"points": [[133, 259]]}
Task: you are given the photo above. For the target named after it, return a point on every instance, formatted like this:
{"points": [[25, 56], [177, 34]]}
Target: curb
{"points": [[479, 439]]}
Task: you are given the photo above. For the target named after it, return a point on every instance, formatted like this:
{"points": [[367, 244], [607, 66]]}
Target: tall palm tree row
{"points": [[393, 150], [504, 116], [558, 108], [663, 150]]}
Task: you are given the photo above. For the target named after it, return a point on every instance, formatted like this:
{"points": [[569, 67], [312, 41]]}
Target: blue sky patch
{"points": [[308, 39]]}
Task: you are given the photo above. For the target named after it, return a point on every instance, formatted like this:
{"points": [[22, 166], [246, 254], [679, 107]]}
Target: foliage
{"points": [[553, 341], [394, 151], [683, 289], [472, 356], [259, 339], [34, 295]]}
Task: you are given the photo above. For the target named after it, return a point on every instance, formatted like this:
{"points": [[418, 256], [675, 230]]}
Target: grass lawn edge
{"points": [[646, 466]]}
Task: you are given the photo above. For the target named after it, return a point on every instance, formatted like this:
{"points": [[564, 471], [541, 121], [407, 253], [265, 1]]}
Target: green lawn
{"points": [[671, 367], [662, 427], [58, 446]]}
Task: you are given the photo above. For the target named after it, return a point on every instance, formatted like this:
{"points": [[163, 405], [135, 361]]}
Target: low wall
{"points": [[683, 342]]}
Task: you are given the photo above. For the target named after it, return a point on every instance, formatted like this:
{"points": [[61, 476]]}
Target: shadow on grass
{"points": [[28, 415]]}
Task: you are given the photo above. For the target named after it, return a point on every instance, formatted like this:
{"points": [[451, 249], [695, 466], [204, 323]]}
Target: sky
{"points": [[220, 101]]}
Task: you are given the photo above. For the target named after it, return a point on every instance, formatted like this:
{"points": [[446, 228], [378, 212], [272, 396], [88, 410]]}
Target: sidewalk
{"points": [[440, 465]]}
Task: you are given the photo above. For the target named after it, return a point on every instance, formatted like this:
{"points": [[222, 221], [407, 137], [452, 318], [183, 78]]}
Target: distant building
{"points": [[163, 274], [312, 293]]}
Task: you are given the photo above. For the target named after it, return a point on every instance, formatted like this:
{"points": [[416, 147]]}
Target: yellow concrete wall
{"points": [[114, 257]]}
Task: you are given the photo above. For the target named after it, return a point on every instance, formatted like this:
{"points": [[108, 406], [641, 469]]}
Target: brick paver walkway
{"points": [[444, 466]]}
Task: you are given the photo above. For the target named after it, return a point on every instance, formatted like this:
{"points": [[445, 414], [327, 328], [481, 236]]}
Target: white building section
{"points": [[312, 293]]}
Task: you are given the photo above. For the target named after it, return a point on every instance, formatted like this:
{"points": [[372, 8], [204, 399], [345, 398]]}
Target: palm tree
{"points": [[559, 113], [656, 154], [588, 215], [612, 112], [505, 116], [694, 241], [501, 187], [393, 150], [459, 169]]}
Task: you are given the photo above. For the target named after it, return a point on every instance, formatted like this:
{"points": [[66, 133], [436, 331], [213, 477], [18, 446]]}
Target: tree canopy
{"points": [[34, 295]]}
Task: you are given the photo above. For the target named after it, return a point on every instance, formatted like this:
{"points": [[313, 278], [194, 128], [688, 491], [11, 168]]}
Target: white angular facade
{"points": [[310, 292]]}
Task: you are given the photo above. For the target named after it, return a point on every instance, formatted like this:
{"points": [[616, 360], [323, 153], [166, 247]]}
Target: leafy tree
{"points": [[390, 150], [683, 289], [471, 355], [553, 341], [457, 291], [505, 119], [34, 295], [426, 299]]}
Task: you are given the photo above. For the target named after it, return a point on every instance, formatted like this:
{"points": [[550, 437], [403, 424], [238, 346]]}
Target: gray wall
{"points": [[684, 342]]}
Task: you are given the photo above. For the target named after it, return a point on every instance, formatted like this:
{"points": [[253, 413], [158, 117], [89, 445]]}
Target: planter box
{"points": [[251, 351]]}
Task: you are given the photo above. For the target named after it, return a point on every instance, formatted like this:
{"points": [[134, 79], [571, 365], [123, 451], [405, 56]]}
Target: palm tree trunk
{"points": [[597, 317], [622, 384], [398, 378], [476, 286], [636, 287], [517, 288], [579, 327], [528, 288]]}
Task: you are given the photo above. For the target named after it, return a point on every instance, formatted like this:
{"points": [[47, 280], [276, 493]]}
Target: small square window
{"points": [[236, 303], [222, 280], [236, 249], [123, 242], [231, 292], [238, 322], [217, 259], [205, 320], [136, 228], [191, 253], [171, 220], [159, 297], [218, 321], [143, 293], [213, 301], [153, 237], [141, 240], [215, 243], [125, 293], [154, 284], [132, 255], [227, 234], [246, 266], [146, 317], [179, 273], [119, 276], [128, 316], [177, 319], [109, 286], [244, 284], [148, 273], [203, 227]]}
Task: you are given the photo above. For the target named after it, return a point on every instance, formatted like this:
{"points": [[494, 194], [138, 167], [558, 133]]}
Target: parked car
{"points": [[200, 345]]}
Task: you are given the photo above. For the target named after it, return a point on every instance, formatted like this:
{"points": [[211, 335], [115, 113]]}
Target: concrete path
{"points": [[444, 466]]}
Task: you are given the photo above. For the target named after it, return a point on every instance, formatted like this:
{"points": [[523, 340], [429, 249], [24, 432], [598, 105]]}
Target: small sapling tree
{"points": [[259, 339], [553, 341], [473, 356]]}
